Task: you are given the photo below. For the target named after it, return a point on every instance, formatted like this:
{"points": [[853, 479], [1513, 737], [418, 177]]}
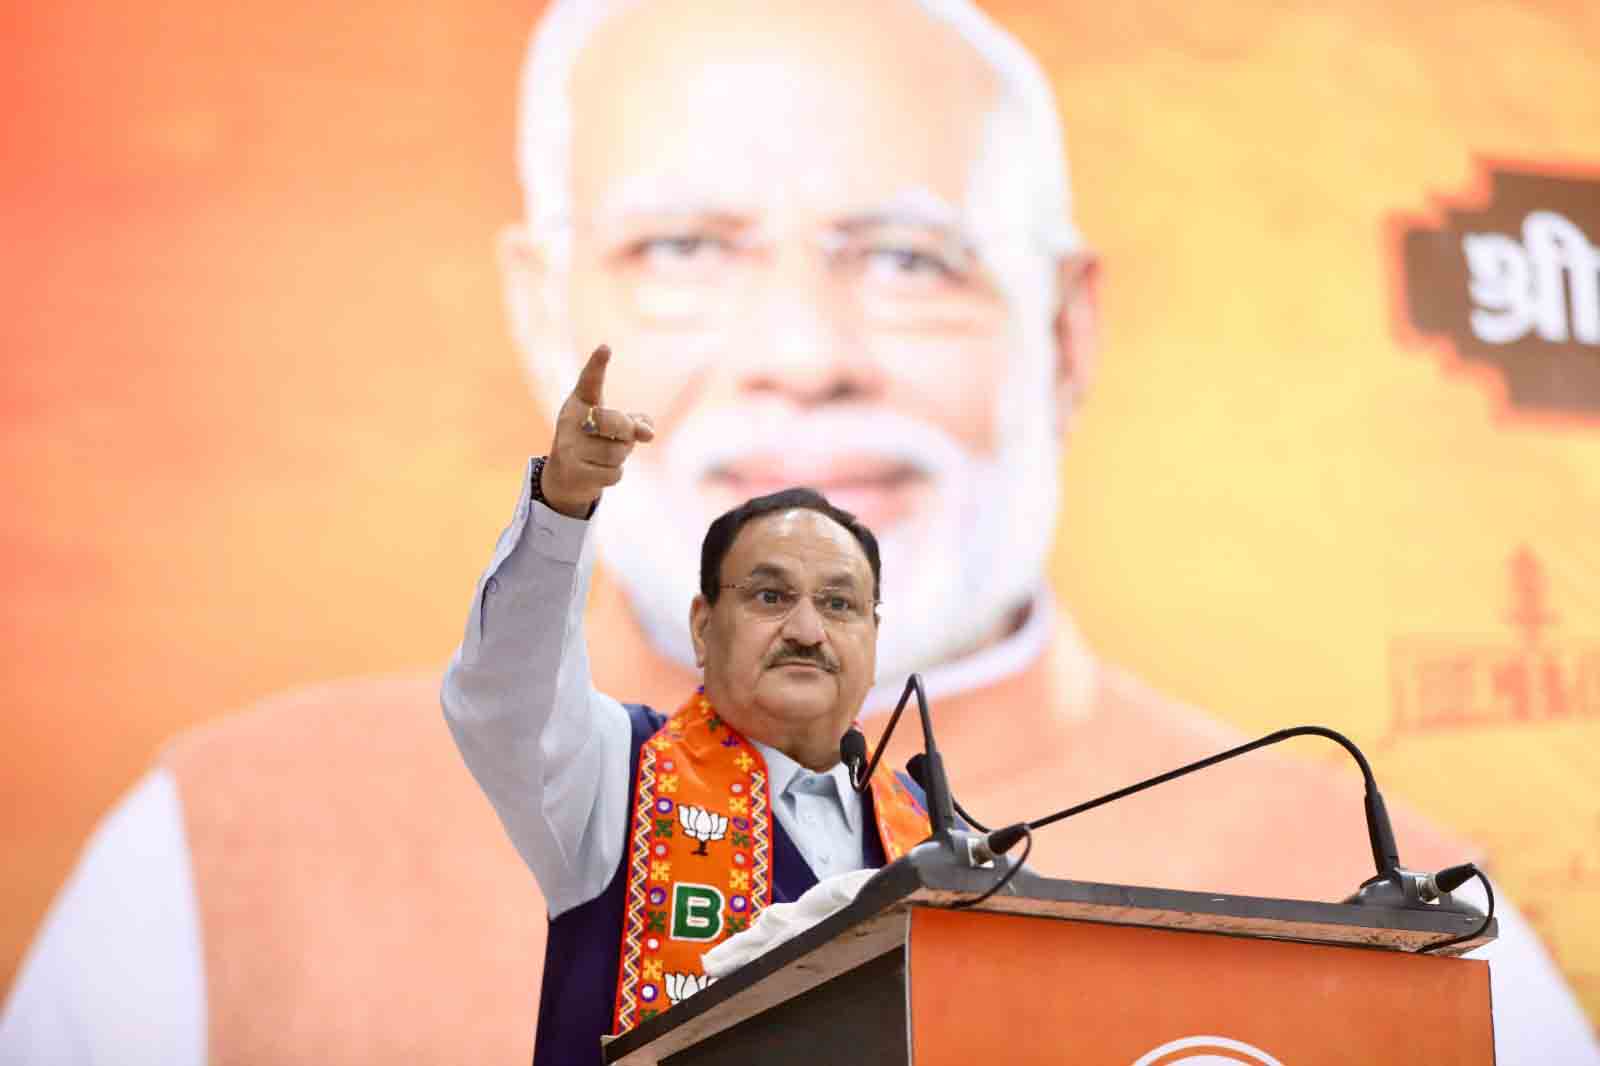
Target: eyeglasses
{"points": [[774, 602], [675, 273]]}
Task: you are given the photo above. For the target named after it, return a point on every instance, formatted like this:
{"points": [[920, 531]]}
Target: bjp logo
{"points": [[702, 825]]}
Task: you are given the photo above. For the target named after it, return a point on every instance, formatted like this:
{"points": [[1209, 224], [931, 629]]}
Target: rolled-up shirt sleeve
{"points": [[549, 751]]}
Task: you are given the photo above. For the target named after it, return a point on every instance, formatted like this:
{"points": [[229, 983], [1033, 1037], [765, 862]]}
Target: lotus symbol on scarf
{"points": [[702, 825], [680, 986]]}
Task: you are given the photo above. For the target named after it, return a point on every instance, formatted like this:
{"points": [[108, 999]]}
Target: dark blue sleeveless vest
{"points": [[578, 996]]}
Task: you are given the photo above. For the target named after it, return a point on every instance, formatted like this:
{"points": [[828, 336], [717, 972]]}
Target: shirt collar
{"points": [[782, 771]]}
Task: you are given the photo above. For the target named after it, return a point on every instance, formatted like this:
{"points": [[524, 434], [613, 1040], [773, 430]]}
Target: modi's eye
{"points": [[681, 247], [679, 252], [910, 261], [897, 254]]}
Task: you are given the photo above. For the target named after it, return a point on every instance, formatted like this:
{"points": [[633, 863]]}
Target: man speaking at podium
{"points": [[653, 838], [833, 243]]}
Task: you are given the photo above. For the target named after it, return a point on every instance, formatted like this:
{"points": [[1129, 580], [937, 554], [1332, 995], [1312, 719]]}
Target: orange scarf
{"points": [[700, 853]]}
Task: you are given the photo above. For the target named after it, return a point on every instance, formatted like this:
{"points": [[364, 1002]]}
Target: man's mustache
{"points": [[804, 655]]}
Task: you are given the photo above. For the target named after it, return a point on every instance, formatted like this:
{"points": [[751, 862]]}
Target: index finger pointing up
{"points": [[592, 378]]}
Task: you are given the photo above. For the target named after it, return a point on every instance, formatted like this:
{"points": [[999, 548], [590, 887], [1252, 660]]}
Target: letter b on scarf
{"points": [[696, 912]]}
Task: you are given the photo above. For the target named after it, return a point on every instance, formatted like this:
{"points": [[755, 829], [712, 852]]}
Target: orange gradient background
{"points": [[262, 418]]}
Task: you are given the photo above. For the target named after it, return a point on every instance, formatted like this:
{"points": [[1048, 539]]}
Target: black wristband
{"points": [[536, 487]]}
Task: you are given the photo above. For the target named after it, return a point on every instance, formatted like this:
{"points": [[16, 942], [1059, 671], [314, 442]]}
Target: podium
{"points": [[1056, 971]]}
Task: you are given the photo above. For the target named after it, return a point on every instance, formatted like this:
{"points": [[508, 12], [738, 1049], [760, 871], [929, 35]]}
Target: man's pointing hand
{"points": [[592, 442]]}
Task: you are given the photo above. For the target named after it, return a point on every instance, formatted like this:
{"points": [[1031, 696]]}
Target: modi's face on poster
{"points": [[830, 246]]}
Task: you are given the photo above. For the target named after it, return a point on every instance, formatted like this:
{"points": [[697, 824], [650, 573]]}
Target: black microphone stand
{"points": [[941, 815], [1391, 886]]}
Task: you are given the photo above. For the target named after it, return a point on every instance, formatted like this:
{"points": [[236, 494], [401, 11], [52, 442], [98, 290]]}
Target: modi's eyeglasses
{"points": [[693, 270]]}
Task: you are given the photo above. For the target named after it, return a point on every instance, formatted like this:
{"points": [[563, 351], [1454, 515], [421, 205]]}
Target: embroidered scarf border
{"points": [[694, 765]]}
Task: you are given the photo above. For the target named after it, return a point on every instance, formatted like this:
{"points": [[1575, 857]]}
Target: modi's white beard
{"points": [[952, 574]]}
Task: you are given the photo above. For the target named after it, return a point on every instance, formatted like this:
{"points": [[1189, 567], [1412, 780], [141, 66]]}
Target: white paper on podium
{"points": [[782, 921]]}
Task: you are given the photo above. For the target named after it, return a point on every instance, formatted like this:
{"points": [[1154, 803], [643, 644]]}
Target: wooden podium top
{"points": [[877, 921]]}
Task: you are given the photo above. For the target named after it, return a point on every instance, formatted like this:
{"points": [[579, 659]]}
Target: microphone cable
{"points": [[1472, 870], [917, 767], [1005, 878], [968, 818], [1445, 881]]}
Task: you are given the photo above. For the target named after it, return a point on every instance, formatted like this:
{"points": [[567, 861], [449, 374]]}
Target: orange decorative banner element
{"points": [[1532, 676]]}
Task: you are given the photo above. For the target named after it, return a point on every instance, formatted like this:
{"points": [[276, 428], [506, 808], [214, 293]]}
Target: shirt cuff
{"points": [[556, 536], [553, 534]]}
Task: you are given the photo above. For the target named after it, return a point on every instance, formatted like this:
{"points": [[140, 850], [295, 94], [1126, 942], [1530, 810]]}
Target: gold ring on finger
{"points": [[589, 425]]}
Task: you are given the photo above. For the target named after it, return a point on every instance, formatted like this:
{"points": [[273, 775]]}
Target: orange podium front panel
{"points": [[987, 987], [1056, 971]]}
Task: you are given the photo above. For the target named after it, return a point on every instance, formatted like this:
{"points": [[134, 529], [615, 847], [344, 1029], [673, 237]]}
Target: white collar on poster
{"points": [[1011, 656]]}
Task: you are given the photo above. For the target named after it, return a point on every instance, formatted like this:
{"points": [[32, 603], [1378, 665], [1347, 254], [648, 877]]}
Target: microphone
{"points": [[853, 753], [927, 769], [1392, 885], [983, 849], [937, 786]]}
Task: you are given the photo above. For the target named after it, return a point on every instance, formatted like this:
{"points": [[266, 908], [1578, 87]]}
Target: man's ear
{"points": [[1077, 331], [699, 619], [525, 280]]}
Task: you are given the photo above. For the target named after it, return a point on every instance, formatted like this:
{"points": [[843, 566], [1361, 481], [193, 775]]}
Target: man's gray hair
{"points": [[544, 130]]}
